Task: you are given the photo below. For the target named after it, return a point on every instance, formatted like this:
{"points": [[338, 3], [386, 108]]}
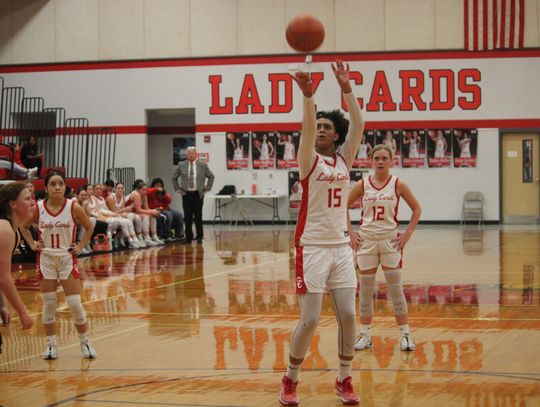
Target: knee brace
{"points": [[395, 289], [367, 287], [76, 308], [48, 316]]}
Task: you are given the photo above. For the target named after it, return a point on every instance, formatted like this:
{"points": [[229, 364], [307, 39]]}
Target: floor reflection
{"points": [[176, 323]]}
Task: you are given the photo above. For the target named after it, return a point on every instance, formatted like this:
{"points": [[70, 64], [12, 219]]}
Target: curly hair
{"points": [[341, 124]]}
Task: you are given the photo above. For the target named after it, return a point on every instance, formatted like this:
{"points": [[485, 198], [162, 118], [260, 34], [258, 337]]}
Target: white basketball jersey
{"points": [[362, 152], [379, 207], [56, 231], [119, 204], [264, 151], [289, 152], [413, 149], [439, 148], [323, 216], [466, 150]]}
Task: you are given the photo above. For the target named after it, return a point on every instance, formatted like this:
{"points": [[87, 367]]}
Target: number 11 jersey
{"points": [[57, 231]]}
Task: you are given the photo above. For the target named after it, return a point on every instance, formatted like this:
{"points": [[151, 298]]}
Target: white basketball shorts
{"points": [[322, 268]]}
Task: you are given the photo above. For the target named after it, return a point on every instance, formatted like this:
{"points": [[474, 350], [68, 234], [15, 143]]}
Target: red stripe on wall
{"points": [[351, 57], [512, 22], [372, 125], [485, 23], [475, 25], [521, 23]]}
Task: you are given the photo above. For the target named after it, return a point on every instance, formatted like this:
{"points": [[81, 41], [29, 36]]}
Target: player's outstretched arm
{"points": [[306, 153]]}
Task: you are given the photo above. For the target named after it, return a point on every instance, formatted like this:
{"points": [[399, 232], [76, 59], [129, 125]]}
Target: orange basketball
{"points": [[305, 33]]}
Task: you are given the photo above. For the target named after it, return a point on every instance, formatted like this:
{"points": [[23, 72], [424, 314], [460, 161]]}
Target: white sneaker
{"points": [[141, 242], [134, 244], [88, 350], [364, 342], [50, 352], [158, 240], [406, 343], [150, 243]]}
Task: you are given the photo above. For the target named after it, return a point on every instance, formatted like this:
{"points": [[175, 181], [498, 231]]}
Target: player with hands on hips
{"points": [[379, 243], [324, 258], [57, 218]]}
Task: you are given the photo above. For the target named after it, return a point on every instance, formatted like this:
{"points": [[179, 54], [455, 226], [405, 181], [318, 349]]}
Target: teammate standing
{"points": [[324, 259], [57, 252], [380, 243]]}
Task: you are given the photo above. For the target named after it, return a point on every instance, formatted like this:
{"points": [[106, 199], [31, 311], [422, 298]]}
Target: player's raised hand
{"points": [[342, 73], [303, 79]]}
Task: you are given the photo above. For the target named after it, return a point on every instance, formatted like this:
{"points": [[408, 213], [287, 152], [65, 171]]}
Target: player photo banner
{"points": [[362, 159], [295, 190], [465, 143], [287, 146], [237, 151], [263, 150], [355, 177], [391, 138], [413, 148], [439, 147]]}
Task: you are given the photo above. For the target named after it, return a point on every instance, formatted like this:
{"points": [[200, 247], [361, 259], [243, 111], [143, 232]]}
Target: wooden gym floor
{"points": [[209, 325]]}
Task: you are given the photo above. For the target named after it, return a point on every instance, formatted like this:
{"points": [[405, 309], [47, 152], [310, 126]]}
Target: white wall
{"points": [[80, 30]]}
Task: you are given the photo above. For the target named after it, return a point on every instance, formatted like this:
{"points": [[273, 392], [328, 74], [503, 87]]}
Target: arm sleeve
{"points": [[306, 148], [356, 127]]}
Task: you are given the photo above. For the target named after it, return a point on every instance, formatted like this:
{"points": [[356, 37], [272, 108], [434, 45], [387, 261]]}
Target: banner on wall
{"points": [[391, 138], [286, 149], [362, 159], [465, 143], [413, 147], [263, 150], [439, 147], [180, 145], [295, 189], [237, 151]]}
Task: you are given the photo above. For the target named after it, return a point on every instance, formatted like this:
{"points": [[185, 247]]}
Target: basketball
{"points": [[305, 33]]}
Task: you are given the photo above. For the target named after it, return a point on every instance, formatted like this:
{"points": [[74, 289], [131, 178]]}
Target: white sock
{"points": [[83, 337], [404, 329], [293, 371], [345, 369], [365, 329], [51, 340]]}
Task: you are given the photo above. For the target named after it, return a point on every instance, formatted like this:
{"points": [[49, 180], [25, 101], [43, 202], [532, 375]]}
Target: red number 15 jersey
{"points": [[323, 218]]}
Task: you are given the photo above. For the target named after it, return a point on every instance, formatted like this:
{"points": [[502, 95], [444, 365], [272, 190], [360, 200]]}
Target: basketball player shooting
{"points": [[324, 258]]}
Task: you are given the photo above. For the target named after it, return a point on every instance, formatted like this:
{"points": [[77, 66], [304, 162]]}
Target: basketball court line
{"points": [[80, 397], [250, 266]]}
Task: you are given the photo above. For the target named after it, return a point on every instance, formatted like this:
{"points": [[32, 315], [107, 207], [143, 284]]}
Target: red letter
{"points": [[436, 75], [408, 91], [215, 80], [316, 77], [358, 79], [380, 94], [474, 90], [275, 79], [249, 96]]}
